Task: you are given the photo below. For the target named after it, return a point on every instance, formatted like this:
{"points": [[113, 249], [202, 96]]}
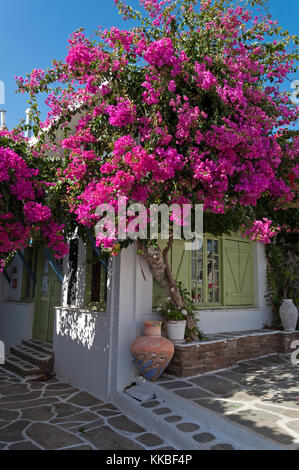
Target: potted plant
{"points": [[175, 320], [180, 322]]}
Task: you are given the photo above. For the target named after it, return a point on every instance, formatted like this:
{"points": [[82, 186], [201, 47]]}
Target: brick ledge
{"points": [[206, 356]]}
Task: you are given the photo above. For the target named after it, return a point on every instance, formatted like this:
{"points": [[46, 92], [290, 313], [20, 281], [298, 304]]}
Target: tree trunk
{"points": [[161, 270], [172, 287]]}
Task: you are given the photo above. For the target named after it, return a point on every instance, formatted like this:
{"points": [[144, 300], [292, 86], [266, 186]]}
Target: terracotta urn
{"points": [[152, 353]]}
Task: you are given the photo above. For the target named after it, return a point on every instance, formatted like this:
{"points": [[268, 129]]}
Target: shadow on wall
{"points": [[81, 346], [83, 326]]}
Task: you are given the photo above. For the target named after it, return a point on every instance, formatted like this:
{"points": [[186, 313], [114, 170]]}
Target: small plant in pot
{"points": [[180, 323], [175, 320]]}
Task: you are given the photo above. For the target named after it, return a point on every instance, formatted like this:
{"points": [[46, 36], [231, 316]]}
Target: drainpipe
{"points": [[2, 120], [28, 123]]}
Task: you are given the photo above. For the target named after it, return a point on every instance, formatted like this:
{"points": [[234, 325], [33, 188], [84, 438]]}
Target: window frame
{"points": [[222, 304], [100, 306], [26, 278], [72, 270], [159, 297], [206, 304]]}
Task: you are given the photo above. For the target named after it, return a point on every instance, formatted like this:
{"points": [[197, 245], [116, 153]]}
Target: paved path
{"points": [[55, 415], [260, 395]]}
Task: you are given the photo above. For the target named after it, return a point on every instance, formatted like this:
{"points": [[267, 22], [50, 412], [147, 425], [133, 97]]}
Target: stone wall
{"points": [[198, 358]]}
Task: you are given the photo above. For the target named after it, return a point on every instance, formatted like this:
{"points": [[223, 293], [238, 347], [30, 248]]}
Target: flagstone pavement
{"points": [[54, 415], [260, 395]]}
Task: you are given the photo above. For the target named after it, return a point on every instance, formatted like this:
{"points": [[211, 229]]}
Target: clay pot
{"points": [[152, 353], [152, 328]]}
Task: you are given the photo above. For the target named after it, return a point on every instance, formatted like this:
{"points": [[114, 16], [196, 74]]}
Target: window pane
{"points": [[213, 269], [197, 276], [210, 271], [206, 279], [200, 265], [98, 281]]}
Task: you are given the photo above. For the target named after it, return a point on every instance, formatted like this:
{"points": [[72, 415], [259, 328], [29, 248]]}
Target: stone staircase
{"points": [[31, 358]]}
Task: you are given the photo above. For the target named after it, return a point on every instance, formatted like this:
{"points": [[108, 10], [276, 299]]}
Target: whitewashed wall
{"points": [[131, 304], [82, 338], [81, 345], [16, 317]]}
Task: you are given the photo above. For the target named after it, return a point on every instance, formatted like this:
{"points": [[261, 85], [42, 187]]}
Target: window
{"points": [[28, 285], [206, 264], [96, 281], [220, 274]]}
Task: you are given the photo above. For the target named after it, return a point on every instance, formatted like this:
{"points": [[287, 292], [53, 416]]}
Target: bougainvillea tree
{"points": [[25, 213], [186, 107]]}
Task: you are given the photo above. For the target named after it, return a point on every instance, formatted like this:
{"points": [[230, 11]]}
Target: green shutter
{"points": [[180, 261], [238, 274], [246, 273]]}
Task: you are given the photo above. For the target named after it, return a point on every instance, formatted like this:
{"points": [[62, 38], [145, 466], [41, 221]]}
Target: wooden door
{"points": [[48, 296]]}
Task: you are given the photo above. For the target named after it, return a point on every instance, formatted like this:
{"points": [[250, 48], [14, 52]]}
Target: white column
{"points": [[130, 304]]}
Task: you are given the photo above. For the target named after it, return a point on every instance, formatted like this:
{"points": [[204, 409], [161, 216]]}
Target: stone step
{"points": [[42, 346], [42, 360], [20, 366]]}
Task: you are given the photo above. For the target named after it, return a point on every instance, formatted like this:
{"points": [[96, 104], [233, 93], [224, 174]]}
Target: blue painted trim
{"points": [[27, 267], [7, 277], [96, 248], [53, 264]]}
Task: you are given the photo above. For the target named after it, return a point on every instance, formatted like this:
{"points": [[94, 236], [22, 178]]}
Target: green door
{"points": [[48, 296]]}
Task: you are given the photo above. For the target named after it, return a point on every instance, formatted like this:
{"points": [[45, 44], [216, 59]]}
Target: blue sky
{"points": [[33, 32]]}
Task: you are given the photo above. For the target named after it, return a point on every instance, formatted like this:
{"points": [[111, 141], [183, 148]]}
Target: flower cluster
{"points": [[123, 114], [262, 230], [186, 107], [35, 212], [22, 214]]}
